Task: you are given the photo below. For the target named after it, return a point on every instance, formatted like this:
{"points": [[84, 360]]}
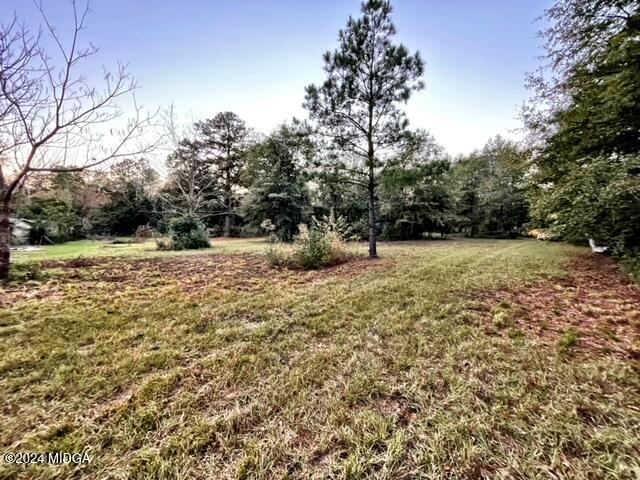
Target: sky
{"points": [[255, 57]]}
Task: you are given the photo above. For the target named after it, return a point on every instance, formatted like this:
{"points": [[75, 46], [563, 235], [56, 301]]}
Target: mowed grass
{"points": [[215, 366], [127, 248]]}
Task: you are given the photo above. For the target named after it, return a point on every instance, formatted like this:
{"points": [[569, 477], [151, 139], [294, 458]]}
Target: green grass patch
{"points": [[126, 247]]}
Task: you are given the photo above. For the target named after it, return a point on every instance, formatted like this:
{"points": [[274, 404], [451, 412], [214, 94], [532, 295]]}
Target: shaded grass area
{"points": [[363, 371]]}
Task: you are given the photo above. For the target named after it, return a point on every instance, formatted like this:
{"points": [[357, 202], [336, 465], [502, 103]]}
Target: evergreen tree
{"points": [[278, 193], [357, 107], [491, 187], [130, 199], [224, 140], [415, 196]]}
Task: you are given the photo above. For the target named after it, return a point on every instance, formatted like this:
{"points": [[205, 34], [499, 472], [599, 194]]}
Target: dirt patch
{"points": [[398, 407], [191, 274], [595, 300]]}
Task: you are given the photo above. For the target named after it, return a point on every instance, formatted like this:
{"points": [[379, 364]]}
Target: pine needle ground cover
{"points": [[431, 362]]}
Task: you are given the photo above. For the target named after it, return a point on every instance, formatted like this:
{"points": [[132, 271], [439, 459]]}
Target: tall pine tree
{"points": [[357, 107], [223, 140]]}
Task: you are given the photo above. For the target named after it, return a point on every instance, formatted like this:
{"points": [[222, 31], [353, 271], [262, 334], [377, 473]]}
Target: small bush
{"points": [[631, 263], [26, 272], [311, 248], [164, 244], [186, 233], [516, 334], [314, 247], [143, 233]]}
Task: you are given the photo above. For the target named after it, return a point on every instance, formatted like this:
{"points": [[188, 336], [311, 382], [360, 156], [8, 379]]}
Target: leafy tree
{"points": [[598, 200], [587, 94], [224, 140], [59, 205], [585, 120], [416, 197], [357, 107], [491, 188], [130, 200], [278, 192]]}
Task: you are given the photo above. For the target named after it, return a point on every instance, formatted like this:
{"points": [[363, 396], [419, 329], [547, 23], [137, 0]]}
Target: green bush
{"points": [[186, 233], [26, 272], [314, 247], [598, 198], [631, 262]]}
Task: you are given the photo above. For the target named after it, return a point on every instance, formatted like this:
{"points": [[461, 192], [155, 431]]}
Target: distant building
{"points": [[20, 230]]}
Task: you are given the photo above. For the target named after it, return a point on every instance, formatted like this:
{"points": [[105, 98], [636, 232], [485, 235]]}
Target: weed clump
{"points": [[143, 233], [316, 246], [568, 340], [501, 319], [26, 272]]}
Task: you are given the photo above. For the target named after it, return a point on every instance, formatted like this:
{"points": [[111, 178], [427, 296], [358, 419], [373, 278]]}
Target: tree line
{"points": [[274, 184]]}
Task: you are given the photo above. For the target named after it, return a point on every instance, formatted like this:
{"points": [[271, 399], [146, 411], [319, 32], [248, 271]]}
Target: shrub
{"points": [[26, 272], [631, 263], [164, 244], [186, 233], [501, 319], [314, 247]]}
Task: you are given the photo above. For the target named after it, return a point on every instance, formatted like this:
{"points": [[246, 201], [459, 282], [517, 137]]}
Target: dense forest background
{"points": [[276, 181]]}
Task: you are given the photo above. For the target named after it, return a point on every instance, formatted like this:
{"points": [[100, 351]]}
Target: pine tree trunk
{"points": [[228, 215], [228, 198], [5, 237], [373, 251]]}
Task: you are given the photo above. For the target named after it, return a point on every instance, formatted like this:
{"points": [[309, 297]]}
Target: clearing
{"points": [[447, 359]]}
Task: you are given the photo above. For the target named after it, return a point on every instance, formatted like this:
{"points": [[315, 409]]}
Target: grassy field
{"points": [[128, 248], [423, 364]]}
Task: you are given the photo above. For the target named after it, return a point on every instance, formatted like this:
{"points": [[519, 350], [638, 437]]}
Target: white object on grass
{"points": [[595, 248]]}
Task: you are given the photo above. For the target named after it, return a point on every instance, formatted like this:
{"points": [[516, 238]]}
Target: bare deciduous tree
{"points": [[189, 182], [51, 118]]}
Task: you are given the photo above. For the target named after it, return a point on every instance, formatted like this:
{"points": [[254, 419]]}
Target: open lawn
{"points": [[447, 359], [127, 248]]}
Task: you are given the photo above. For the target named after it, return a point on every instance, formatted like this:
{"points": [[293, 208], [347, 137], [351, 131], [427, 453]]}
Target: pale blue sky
{"points": [[255, 57]]}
